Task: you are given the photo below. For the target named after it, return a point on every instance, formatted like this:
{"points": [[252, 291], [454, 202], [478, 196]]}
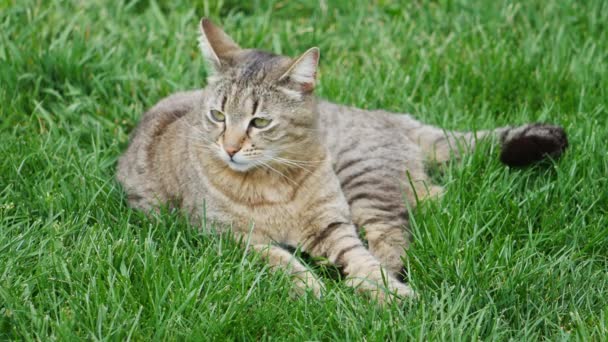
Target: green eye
{"points": [[217, 115], [260, 122]]}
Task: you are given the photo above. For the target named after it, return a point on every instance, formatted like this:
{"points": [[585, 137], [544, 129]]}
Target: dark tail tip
{"points": [[533, 143]]}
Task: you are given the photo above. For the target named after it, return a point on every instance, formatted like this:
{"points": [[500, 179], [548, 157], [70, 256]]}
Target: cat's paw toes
{"points": [[304, 284], [396, 292], [527, 144], [404, 290]]}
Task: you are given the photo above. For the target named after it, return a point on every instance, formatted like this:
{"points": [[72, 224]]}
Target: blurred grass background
{"points": [[506, 254]]}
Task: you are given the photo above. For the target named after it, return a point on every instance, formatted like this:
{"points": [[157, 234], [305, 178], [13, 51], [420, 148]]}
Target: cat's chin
{"points": [[239, 167], [237, 164]]}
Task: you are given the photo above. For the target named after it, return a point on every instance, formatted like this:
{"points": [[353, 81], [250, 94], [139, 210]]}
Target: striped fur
{"points": [[312, 177]]}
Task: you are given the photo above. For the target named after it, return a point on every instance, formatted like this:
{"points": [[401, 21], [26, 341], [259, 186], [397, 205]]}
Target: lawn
{"points": [[505, 254]]}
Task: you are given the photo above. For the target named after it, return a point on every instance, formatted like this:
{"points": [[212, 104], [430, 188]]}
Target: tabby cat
{"points": [[257, 153]]}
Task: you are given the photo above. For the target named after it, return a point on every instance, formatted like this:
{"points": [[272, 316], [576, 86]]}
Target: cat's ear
{"points": [[217, 47], [301, 75]]}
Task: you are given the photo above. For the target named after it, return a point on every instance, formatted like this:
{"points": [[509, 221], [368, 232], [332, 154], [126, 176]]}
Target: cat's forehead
{"points": [[234, 93], [251, 67], [239, 101], [249, 81]]}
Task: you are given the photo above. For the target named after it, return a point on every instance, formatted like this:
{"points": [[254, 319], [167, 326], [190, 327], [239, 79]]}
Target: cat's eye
{"points": [[260, 122], [216, 115]]}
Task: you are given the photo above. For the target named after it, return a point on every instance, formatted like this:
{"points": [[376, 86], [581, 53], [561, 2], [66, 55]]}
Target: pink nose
{"points": [[231, 150]]}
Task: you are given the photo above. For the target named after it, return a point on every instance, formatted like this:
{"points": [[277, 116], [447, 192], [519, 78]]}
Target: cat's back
{"points": [[343, 128]]}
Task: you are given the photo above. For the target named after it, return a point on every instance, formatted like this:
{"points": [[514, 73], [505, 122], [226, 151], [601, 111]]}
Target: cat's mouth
{"points": [[242, 162]]}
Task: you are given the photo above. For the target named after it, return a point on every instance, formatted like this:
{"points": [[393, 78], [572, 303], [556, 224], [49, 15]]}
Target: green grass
{"points": [[506, 254]]}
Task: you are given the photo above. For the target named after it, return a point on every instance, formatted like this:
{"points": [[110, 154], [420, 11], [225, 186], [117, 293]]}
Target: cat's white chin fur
{"points": [[240, 167], [236, 163]]}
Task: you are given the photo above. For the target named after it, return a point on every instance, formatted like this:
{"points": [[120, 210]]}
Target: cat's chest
{"points": [[270, 220], [276, 209], [270, 211]]}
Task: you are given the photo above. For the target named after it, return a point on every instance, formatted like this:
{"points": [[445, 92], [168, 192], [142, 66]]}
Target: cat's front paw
{"points": [[384, 289], [307, 283], [401, 290]]}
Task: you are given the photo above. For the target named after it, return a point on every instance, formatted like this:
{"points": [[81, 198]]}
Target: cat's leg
{"points": [[379, 210], [520, 145], [378, 179], [303, 278], [338, 242]]}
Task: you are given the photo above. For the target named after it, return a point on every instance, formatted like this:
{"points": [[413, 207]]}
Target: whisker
{"points": [[289, 163], [278, 172], [301, 161]]}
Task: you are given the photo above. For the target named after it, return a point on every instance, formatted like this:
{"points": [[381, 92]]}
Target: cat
{"points": [[258, 154]]}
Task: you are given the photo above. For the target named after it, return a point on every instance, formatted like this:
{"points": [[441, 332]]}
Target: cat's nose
{"points": [[231, 150]]}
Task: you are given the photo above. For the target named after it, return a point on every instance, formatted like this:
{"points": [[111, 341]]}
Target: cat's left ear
{"points": [[301, 75]]}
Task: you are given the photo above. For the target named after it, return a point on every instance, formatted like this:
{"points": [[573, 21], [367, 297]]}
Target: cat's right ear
{"points": [[217, 47]]}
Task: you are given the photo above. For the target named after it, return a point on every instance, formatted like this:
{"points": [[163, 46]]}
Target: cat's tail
{"points": [[520, 145]]}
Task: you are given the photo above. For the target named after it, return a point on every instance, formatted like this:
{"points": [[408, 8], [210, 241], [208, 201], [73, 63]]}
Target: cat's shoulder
{"points": [[167, 110], [179, 102]]}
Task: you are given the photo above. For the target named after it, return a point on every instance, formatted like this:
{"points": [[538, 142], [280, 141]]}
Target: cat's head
{"points": [[260, 109]]}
